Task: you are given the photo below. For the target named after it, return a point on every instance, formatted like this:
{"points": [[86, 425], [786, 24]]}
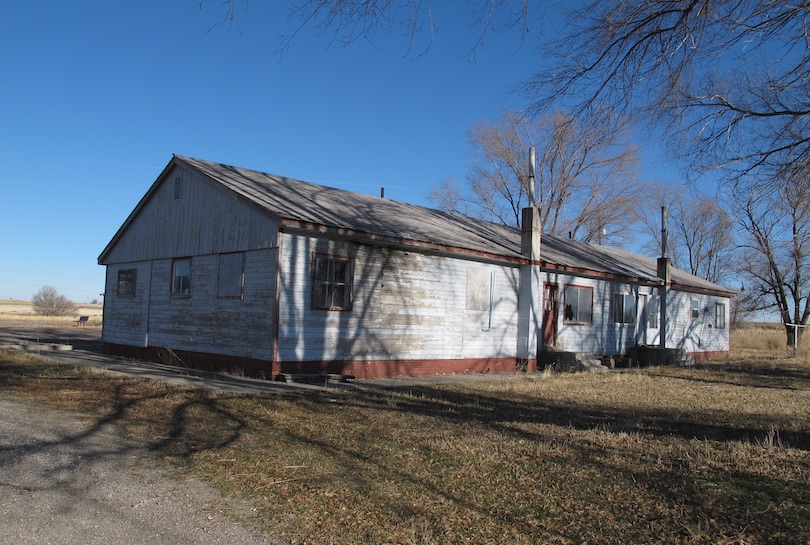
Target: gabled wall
{"points": [[186, 214], [696, 335]]}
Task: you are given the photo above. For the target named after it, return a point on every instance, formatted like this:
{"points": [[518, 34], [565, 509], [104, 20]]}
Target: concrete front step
{"points": [[574, 361], [327, 378]]}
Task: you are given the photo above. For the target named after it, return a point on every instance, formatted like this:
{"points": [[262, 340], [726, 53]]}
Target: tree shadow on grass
{"points": [[699, 497], [183, 423], [72, 464], [782, 376], [169, 420], [507, 414]]}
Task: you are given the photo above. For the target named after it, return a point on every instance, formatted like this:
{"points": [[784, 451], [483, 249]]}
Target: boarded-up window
{"points": [[231, 276], [181, 277], [479, 288], [126, 282], [623, 308], [331, 282], [578, 305]]}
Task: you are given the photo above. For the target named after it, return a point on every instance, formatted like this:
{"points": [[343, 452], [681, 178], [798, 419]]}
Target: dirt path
{"points": [[64, 481]]}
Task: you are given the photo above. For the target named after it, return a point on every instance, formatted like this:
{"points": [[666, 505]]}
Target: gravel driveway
{"points": [[64, 481]]}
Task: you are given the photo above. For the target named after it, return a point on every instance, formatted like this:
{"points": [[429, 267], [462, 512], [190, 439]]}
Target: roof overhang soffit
{"points": [[430, 248]]}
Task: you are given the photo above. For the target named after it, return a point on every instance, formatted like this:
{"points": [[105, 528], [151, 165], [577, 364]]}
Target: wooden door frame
{"points": [[549, 332]]}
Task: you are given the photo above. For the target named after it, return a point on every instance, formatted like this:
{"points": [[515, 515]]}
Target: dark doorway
{"points": [[550, 303]]}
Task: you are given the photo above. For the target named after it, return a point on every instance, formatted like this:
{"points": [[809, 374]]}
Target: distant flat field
{"points": [[12, 309]]}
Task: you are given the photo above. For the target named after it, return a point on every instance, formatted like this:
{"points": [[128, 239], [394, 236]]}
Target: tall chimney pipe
{"points": [[664, 275], [531, 177]]}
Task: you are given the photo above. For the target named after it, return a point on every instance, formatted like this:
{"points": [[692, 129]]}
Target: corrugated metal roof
{"points": [[318, 205], [315, 204]]}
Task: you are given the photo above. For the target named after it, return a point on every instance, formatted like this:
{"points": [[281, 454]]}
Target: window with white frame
{"points": [[331, 282], [623, 308], [181, 277], [695, 309], [720, 315], [578, 305]]}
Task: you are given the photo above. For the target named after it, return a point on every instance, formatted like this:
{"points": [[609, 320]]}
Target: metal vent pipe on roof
{"points": [[664, 275], [531, 176]]}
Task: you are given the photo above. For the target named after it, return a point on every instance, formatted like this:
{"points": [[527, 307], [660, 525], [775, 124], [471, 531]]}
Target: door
{"points": [[641, 328], [550, 304]]}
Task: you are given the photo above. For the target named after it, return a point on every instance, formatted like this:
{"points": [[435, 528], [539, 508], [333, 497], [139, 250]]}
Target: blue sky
{"points": [[97, 95]]}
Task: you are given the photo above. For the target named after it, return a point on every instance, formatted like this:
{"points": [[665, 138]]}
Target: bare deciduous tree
{"points": [[728, 80], [585, 176], [347, 21], [776, 258], [731, 78], [700, 232], [48, 302]]}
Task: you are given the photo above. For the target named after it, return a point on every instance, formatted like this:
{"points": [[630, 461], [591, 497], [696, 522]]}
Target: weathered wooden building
{"points": [[226, 268]]}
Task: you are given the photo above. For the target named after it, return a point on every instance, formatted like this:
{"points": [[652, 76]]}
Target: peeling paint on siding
{"points": [[406, 306]]}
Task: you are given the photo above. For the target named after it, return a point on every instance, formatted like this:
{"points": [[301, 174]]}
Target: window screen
{"points": [[127, 282], [578, 305], [653, 313], [181, 277], [720, 315], [623, 308], [331, 283]]}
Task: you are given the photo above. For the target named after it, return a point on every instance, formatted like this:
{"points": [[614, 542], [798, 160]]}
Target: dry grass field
{"points": [[718, 453], [761, 337], [22, 312]]}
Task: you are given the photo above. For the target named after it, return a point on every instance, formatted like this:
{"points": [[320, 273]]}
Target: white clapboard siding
{"points": [[406, 306], [603, 336], [426, 285], [202, 322], [205, 219], [125, 318], [695, 334]]}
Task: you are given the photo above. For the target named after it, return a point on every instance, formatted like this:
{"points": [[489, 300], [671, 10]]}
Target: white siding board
{"points": [[200, 323], [203, 323], [603, 336], [206, 219], [699, 334], [406, 306], [125, 318]]}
